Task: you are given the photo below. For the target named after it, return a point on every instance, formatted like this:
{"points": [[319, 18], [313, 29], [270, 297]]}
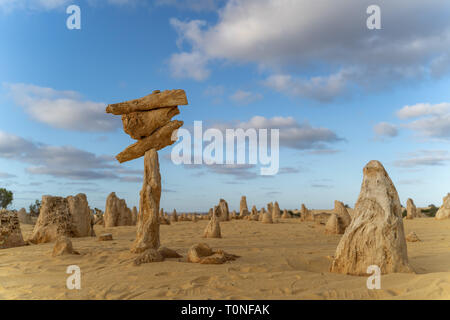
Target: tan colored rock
{"points": [[134, 216], [161, 138], [116, 212], [285, 215], [267, 218], [412, 237], [169, 253], [224, 212], [270, 208], [213, 228], [194, 218], [63, 246], [305, 214], [148, 256], [140, 125], [174, 216], [261, 214], [233, 215], [24, 217], [276, 212], [147, 236], [155, 100], [70, 217], [254, 210], [243, 208], [444, 210], [376, 235], [411, 210], [10, 232], [342, 212], [105, 237], [335, 225], [203, 254]]}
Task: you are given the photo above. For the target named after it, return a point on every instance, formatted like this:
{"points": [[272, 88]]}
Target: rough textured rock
{"points": [[116, 212], [411, 210], [105, 237], [10, 232], [140, 125], [444, 210], [243, 208], [203, 254], [148, 256], [305, 214], [63, 246], [285, 215], [147, 236], [335, 225], [342, 212], [375, 236], [224, 212], [276, 212], [70, 217], [159, 139], [155, 100], [24, 217], [213, 228], [270, 208], [412, 237]]}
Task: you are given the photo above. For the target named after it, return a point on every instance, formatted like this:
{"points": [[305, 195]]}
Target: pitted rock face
{"points": [[10, 233], [376, 235], [116, 212], [59, 216]]}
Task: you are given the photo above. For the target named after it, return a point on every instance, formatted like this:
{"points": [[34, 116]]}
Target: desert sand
{"points": [[285, 260]]}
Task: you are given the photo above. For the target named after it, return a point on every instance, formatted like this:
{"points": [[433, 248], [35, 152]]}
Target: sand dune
{"points": [[286, 260]]}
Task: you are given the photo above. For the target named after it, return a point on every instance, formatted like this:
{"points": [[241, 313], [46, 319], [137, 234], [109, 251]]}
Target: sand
{"points": [[287, 260]]}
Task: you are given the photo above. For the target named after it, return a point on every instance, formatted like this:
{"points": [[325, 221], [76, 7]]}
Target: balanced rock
{"points": [[213, 228], [63, 246], [444, 210], [376, 235], [10, 232], [70, 217], [140, 125], [116, 212], [147, 235], [203, 254]]}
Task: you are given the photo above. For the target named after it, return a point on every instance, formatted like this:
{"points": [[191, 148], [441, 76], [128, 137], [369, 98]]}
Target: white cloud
{"points": [[430, 120], [424, 158], [189, 65], [297, 36], [245, 97], [385, 130], [62, 109]]}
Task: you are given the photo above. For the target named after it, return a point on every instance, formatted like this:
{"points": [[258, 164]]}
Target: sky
{"points": [[340, 94]]}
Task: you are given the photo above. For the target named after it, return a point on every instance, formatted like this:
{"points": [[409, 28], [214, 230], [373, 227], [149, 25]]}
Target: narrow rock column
{"points": [[147, 236]]}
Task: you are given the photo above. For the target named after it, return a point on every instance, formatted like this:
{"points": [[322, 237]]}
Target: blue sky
{"points": [[340, 94]]}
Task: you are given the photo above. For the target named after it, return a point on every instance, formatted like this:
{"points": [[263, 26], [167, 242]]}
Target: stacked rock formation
{"points": [[116, 212], [70, 217], [342, 213], [213, 228], [224, 212], [243, 208], [148, 120], [411, 210], [376, 235], [444, 210], [10, 233]]}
